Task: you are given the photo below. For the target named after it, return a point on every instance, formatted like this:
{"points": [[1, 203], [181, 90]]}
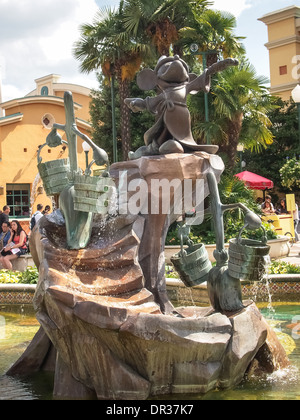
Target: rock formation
{"points": [[108, 329]]}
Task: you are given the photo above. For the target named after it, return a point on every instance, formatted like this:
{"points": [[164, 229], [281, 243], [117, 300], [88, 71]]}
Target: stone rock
{"points": [[249, 335], [270, 357], [106, 311], [165, 169]]}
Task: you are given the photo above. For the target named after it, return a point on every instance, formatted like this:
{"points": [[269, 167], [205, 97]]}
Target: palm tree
{"points": [[212, 30], [107, 45], [160, 20], [239, 110]]}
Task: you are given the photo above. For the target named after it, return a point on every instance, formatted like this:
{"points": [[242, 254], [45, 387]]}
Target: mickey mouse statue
{"points": [[171, 132]]}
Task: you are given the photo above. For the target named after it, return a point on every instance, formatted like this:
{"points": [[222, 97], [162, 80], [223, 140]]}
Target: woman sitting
{"points": [[16, 245]]}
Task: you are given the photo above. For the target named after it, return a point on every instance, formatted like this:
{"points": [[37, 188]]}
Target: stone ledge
{"points": [[17, 294], [22, 263]]}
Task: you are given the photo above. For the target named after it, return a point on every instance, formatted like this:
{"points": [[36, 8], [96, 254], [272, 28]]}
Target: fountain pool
{"points": [[18, 325]]}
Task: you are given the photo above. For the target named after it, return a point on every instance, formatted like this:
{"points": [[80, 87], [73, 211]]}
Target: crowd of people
{"points": [[281, 208], [13, 238]]}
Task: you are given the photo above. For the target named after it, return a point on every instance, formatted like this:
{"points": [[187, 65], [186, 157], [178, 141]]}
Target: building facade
{"points": [[24, 126], [284, 49]]}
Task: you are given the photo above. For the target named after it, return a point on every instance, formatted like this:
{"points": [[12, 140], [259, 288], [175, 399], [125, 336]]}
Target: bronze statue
{"points": [[171, 132]]}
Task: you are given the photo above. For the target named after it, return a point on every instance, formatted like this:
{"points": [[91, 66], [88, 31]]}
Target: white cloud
{"points": [[236, 7], [37, 39]]}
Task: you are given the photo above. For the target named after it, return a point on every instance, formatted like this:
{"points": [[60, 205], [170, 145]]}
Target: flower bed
{"points": [[29, 276]]}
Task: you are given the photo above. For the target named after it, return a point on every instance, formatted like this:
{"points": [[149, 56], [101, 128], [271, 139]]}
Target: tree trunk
{"points": [[234, 130], [124, 89]]}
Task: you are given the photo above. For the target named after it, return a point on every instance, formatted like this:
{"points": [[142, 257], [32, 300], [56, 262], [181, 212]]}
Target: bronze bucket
{"points": [[91, 194], [248, 259], [192, 264], [54, 174]]}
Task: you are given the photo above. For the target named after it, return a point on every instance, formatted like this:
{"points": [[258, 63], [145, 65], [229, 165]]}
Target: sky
{"points": [[37, 38]]}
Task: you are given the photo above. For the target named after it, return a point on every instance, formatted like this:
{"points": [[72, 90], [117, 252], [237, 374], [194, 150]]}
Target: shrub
{"points": [[282, 267], [290, 174], [29, 276]]}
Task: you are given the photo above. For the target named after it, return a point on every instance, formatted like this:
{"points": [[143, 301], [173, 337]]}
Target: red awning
{"points": [[255, 182]]}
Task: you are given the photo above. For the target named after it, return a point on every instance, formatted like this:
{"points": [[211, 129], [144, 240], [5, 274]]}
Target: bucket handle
{"points": [[183, 235], [39, 158], [263, 242]]}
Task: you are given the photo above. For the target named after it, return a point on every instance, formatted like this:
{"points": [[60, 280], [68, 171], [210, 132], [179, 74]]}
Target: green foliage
{"points": [[285, 144], [282, 267], [9, 277], [101, 118], [276, 268], [171, 273], [205, 234], [29, 276], [290, 174], [231, 190], [238, 108]]}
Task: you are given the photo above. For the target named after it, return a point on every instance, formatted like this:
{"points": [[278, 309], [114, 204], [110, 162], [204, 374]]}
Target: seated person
{"points": [[5, 235], [16, 246], [267, 207], [282, 208]]}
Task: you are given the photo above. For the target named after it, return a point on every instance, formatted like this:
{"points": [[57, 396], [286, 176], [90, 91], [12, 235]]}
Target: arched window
{"points": [[45, 91]]}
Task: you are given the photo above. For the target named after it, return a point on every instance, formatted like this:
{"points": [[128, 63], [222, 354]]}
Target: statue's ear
{"points": [[147, 79]]}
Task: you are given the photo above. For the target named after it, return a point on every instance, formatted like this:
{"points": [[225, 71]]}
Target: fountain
{"points": [[108, 329]]}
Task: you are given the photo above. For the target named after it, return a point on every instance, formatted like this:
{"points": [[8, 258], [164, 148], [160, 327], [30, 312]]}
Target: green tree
{"points": [[106, 45], [213, 30], [239, 106], [159, 21], [100, 111], [284, 118], [290, 174]]}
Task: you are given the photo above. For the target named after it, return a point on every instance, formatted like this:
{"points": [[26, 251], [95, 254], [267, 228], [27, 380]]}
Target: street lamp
{"points": [[86, 148], [194, 48], [296, 98], [240, 150]]}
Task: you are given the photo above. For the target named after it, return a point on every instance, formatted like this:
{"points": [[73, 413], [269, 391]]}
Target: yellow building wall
{"points": [[19, 144], [284, 47], [282, 56], [282, 29], [83, 100]]}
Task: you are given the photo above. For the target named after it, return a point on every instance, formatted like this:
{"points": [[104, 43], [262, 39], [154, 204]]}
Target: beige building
{"points": [[24, 126], [284, 49]]}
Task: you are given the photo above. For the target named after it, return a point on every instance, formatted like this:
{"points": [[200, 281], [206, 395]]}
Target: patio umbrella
{"points": [[255, 182]]}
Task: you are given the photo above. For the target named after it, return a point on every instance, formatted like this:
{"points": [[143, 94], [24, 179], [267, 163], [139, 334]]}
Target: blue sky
{"points": [[36, 38]]}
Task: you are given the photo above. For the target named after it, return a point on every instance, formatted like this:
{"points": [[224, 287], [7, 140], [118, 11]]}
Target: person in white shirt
{"points": [[37, 216]]}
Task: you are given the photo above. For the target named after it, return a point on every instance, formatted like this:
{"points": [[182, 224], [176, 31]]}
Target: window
{"points": [[45, 91], [283, 70], [48, 120], [18, 199]]}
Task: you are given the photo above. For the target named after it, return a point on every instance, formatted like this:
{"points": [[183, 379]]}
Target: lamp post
{"points": [[113, 116], [195, 51], [86, 148], [240, 150], [296, 98]]}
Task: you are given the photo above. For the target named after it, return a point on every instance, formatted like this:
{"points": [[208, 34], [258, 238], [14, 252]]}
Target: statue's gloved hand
{"points": [[135, 104], [222, 65]]}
